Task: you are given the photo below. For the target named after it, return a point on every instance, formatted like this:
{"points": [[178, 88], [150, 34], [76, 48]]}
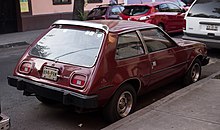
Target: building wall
{"points": [[47, 7], [40, 7], [43, 13]]}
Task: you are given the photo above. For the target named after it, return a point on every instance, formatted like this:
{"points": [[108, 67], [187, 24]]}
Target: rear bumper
{"points": [[210, 42], [64, 96], [4, 122]]}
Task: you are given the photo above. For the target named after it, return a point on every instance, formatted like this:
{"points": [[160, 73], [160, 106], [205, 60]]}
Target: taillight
{"points": [[25, 67], [78, 80]]}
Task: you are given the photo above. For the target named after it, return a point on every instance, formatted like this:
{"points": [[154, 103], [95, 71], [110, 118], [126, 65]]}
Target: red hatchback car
{"points": [[166, 15], [104, 64]]}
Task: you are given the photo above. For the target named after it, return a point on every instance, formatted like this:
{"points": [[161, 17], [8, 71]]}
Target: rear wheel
{"points": [[46, 100], [121, 104], [194, 73]]}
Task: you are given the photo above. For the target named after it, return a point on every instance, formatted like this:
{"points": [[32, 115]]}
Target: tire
{"points": [[194, 73], [121, 104], [46, 101]]}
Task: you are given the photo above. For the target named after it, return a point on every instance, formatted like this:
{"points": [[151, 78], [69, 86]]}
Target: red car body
{"points": [[167, 15], [124, 61]]}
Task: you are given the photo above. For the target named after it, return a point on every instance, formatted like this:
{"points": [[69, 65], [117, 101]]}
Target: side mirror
{"points": [[183, 10]]}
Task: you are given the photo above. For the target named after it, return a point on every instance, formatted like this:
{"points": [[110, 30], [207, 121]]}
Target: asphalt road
{"points": [[27, 113]]}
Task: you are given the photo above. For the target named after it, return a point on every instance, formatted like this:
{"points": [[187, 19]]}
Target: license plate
{"points": [[50, 73], [212, 27]]}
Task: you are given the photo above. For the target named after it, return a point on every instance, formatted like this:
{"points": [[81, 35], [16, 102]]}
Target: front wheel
{"points": [[194, 73], [121, 104]]}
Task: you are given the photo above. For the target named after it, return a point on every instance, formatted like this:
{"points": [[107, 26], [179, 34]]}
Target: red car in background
{"points": [[167, 15]]}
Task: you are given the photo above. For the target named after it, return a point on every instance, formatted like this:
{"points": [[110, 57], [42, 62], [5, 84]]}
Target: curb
{"points": [[172, 97], [8, 45]]}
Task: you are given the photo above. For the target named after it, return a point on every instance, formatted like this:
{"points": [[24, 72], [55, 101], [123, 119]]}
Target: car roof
{"points": [[123, 25], [150, 4], [108, 5], [108, 25]]}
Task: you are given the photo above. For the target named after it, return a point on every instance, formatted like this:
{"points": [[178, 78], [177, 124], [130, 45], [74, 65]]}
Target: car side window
{"points": [[156, 40], [115, 11], [163, 8], [173, 8], [129, 45]]}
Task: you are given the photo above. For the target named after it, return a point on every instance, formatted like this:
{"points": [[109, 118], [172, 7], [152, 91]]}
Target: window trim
{"points": [[174, 5], [136, 56], [62, 3], [165, 35]]}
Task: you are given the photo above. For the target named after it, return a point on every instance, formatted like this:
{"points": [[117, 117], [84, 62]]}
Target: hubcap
{"points": [[125, 104], [195, 72]]}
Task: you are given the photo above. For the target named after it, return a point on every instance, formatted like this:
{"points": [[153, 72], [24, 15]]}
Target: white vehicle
{"points": [[203, 22]]}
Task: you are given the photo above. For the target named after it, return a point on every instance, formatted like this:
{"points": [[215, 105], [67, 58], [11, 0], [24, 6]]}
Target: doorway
{"points": [[8, 16]]}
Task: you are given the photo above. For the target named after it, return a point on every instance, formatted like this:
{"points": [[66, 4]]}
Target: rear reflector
{"points": [[78, 80], [25, 67]]}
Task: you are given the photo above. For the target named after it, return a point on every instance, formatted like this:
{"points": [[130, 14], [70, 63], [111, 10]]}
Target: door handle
{"points": [[153, 64]]}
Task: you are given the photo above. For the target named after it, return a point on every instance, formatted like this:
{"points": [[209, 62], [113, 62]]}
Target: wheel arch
{"points": [[135, 83], [199, 57]]}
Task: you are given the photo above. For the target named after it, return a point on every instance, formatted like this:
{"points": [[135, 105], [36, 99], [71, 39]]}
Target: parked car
{"points": [[203, 22], [105, 64], [180, 3], [4, 121], [107, 11], [166, 15]]}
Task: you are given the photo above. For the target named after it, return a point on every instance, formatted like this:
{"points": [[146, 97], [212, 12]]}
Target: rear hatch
{"points": [[135, 12], [64, 57]]}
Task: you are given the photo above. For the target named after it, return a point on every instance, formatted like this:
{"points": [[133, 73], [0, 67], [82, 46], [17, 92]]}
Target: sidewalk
{"points": [[195, 107], [18, 38]]}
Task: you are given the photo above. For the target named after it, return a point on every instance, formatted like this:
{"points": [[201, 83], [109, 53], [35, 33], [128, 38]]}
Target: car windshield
{"points": [[205, 9], [179, 3], [135, 10], [97, 12], [73, 46]]}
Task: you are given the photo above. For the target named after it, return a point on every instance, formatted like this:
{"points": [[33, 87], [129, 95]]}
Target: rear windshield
{"points": [[97, 12], [205, 9], [72, 46], [135, 10]]}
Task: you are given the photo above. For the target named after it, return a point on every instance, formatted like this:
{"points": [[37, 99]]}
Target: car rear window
{"points": [[205, 9], [135, 10], [73, 46], [97, 12]]}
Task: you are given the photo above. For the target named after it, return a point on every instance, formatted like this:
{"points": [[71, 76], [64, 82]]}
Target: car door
{"points": [[178, 16], [131, 59], [165, 62]]}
